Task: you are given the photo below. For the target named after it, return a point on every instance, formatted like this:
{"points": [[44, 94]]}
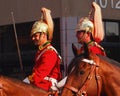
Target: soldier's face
{"points": [[37, 38], [80, 35]]}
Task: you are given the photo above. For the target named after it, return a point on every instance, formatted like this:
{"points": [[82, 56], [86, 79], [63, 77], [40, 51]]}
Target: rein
{"points": [[83, 90]]}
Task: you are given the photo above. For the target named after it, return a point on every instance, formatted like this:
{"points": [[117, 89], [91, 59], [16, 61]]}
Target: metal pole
{"points": [[18, 49], [66, 44]]}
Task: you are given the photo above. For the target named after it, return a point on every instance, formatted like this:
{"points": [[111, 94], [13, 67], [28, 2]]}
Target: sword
{"points": [[18, 49]]}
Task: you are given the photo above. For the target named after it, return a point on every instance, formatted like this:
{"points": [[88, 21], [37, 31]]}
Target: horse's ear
{"points": [[94, 57], [75, 50], [86, 51], [91, 55]]}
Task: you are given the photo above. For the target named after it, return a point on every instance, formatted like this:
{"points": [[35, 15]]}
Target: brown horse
{"points": [[93, 75], [14, 87]]}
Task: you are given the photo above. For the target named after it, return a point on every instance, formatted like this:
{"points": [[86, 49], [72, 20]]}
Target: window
{"points": [[111, 42], [112, 31]]}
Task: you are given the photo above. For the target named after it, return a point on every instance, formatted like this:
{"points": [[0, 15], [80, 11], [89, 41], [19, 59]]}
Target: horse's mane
{"points": [[75, 61], [110, 61]]}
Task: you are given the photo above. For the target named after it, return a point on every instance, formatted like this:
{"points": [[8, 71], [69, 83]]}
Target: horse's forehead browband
{"points": [[89, 61]]}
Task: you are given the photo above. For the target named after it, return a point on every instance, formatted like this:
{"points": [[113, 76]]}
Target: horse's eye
{"points": [[82, 72]]}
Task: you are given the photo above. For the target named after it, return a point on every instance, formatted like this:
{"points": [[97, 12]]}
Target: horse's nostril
{"points": [[82, 72]]}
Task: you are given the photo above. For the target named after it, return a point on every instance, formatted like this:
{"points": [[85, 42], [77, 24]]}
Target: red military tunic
{"points": [[47, 64], [95, 48]]}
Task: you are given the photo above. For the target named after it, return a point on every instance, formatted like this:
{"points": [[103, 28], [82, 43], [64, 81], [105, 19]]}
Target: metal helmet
{"points": [[85, 25], [39, 26]]}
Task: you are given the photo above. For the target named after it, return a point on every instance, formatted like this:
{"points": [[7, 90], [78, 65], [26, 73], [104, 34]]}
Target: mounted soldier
{"points": [[89, 33], [46, 72]]}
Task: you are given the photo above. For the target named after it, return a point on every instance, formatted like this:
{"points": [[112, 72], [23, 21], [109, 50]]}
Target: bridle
{"points": [[52, 93], [83, 90]]}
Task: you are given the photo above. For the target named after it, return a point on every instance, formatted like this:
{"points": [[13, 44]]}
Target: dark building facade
{"points": [[65, 15]]}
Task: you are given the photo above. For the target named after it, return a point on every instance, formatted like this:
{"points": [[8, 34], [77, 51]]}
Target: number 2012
{"points": [[104, 3]]}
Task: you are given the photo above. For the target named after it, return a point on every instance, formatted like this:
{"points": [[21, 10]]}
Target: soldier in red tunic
{"points": [[90, 31], [84, 35], [46, 71]]}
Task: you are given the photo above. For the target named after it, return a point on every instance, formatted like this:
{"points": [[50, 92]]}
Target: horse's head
{"points": [[82, 80], [92, 75]]}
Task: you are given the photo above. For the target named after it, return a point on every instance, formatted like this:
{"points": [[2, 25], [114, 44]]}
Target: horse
{"points": [[93, 75], [13, 87]]}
